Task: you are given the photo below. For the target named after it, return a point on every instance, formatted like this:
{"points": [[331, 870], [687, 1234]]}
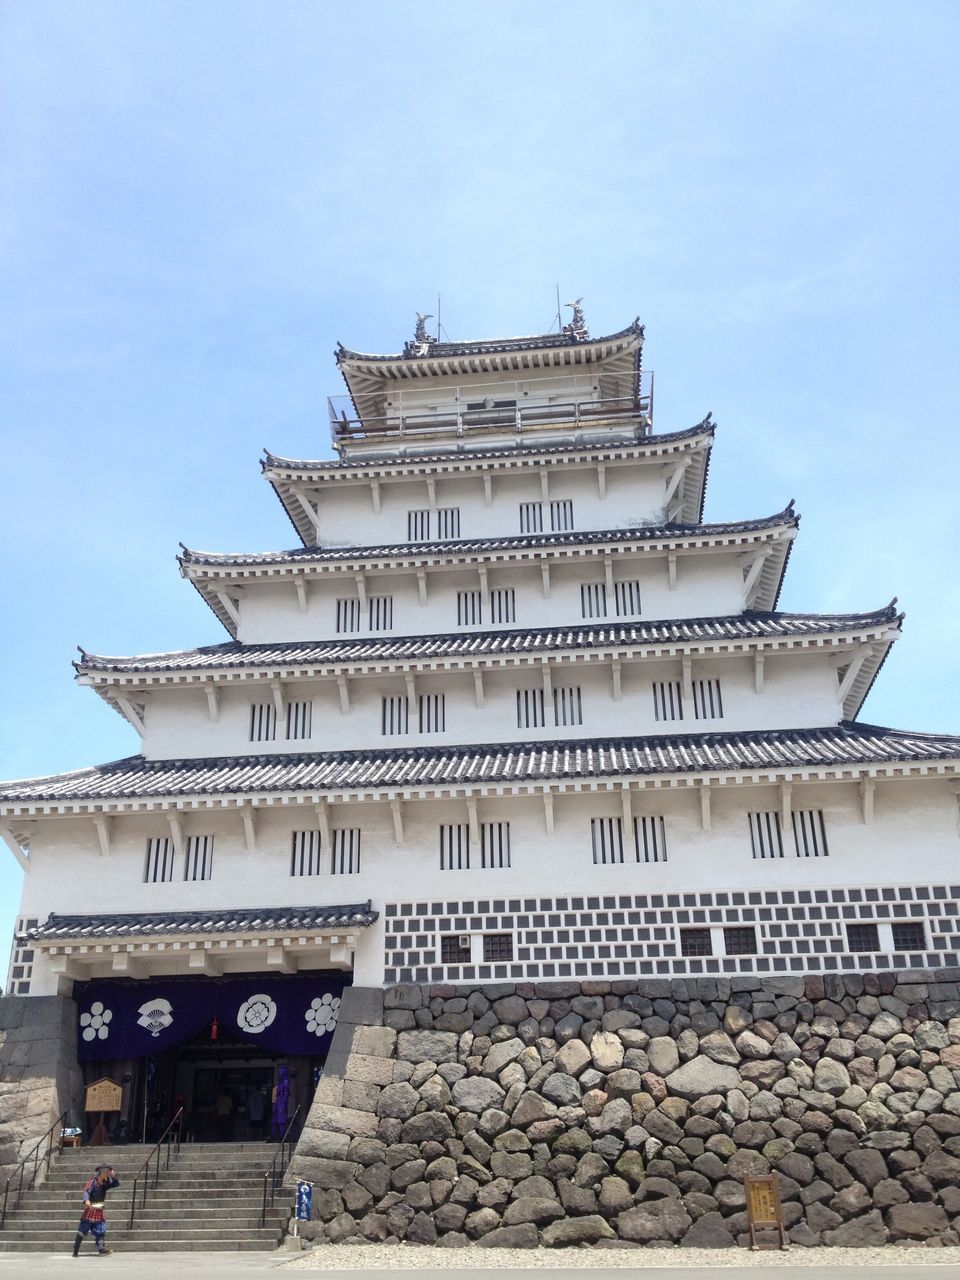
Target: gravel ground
{"points": [[403, 1257]]}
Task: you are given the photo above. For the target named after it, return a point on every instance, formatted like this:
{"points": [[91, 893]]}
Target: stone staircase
{"points": [[210, 1198]]}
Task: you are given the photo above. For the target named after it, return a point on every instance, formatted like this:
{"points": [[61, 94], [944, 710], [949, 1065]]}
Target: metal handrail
{"points": [[144, 1170], [34, 1155], [274, 1176]]}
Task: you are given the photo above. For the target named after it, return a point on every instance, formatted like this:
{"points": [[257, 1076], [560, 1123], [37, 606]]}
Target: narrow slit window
{"points": [[567, 706], [809, 833], [263, 722], [667, 700], [530, 713], [503, 606], [158, 868], [650, 838], [561, 515], [469, 609], [494, 845], [531, 517], [766, 837], [418, 526], [345, 851], [394, 715], [348, 616], [627, 599], [448, 523], [707, 702], [305, 854], [593, 599], [199, 859], [299, 720], [432, 712], [455, 846], [380, 613], [606, 837]]}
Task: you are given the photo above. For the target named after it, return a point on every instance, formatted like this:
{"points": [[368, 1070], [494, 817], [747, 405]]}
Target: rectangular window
{"points": [[766, 837], [348, 616], [494, 845], [432, 712], [809, 833], [707, 703], [469, 609], [455, 846], [305, 853], [159, 864], [862, 937], [418, 526], [199, 860], [593, 599], [628, 599], [650, 838], [455, 949], [263, 722], [667, 700], [380, 613], [606, 836], [345, 854], [695, 942], [448, 522], [561, 515], [299, 720], [567, 706], [909, 936], [530, 709], [503, 606], [531, 517], [497, 946], [740, 941], [394, 715]]}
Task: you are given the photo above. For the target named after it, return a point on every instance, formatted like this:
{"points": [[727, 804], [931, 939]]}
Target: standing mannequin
{"points": [[281, 1100]]}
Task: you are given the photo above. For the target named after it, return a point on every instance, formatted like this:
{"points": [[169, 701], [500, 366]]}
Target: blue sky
{"points": [[198, 200]]}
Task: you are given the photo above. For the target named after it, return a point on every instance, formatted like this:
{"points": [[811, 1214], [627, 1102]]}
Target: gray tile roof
{"points": [[765, 750], [751, 625], [490, 346], [670, 531], [160, 923]]}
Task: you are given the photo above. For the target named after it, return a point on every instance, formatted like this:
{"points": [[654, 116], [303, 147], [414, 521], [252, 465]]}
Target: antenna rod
{"points": [[559, 314], [438, 317]]}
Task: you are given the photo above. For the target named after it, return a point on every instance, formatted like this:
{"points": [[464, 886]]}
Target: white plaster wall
{"points": [[799, 691], [912, 840]]}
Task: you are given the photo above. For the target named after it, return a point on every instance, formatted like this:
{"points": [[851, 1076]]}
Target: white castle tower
{"points": [[511, 711]]}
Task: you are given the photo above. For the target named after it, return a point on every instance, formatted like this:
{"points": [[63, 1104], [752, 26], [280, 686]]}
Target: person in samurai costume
{"points": [[92, 1220]]}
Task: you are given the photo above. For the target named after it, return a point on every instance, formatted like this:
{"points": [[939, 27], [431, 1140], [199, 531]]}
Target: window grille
{"points": [[199, 860], [627, 595], [567, 706], [299, 719], [862, 937], [561, 515], [345, 853], [494, 845], [455, 949], [740, 941], [503, 606], [348, 616], [455, 846], [432, 712], [696, 942], [448, 522], [380, 613], [158, 867], [809, 833], [593, 599], [909, 936], [606, 836], [418, 526], [394, 715], [469, 609], [263, 722], [305, 853], [766, 837], [531, 517], [530, 713], [707, 703], [667, 700], [497, 946], [650, 837]]}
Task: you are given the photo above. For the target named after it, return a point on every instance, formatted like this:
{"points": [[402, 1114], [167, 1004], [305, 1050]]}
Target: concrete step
{"points": [[137, 1245]]}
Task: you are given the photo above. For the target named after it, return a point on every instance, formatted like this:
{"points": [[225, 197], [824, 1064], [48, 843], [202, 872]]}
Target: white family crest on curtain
{"points": [[156, 1015], [95, 1022], [256, 1014], [323, 1014]]}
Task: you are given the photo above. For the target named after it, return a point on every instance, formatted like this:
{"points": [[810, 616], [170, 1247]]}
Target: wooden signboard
{"points": [[103, 1095], [763, 1208]]}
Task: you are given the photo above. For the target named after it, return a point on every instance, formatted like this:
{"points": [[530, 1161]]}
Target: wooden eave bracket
{"points": [[864, 652], [487, 489], [213, 701], [303, 594], [674, 484], [375, 495], [18, 846], [868, 789], [102, 825], [229, 605], [343, 688], [176, 833], [322, 810], [422, 585], [705, 816], [753, 567], [473, 820], [312, 513], [132, 712], [200, 961], [478, 692], [548, 816], [616, 677], [396, 811], [281, 959], [248, 816]]}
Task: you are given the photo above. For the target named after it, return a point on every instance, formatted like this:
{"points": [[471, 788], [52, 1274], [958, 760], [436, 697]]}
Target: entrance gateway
{"points": [[222, 1048]]}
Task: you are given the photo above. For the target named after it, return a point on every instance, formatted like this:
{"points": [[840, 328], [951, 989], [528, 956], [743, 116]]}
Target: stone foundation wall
{"points": [[615, 1113], [39, 1076]]}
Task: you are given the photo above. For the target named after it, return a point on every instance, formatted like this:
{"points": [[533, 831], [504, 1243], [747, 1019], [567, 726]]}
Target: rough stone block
{"points": [[360, 1124]]}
